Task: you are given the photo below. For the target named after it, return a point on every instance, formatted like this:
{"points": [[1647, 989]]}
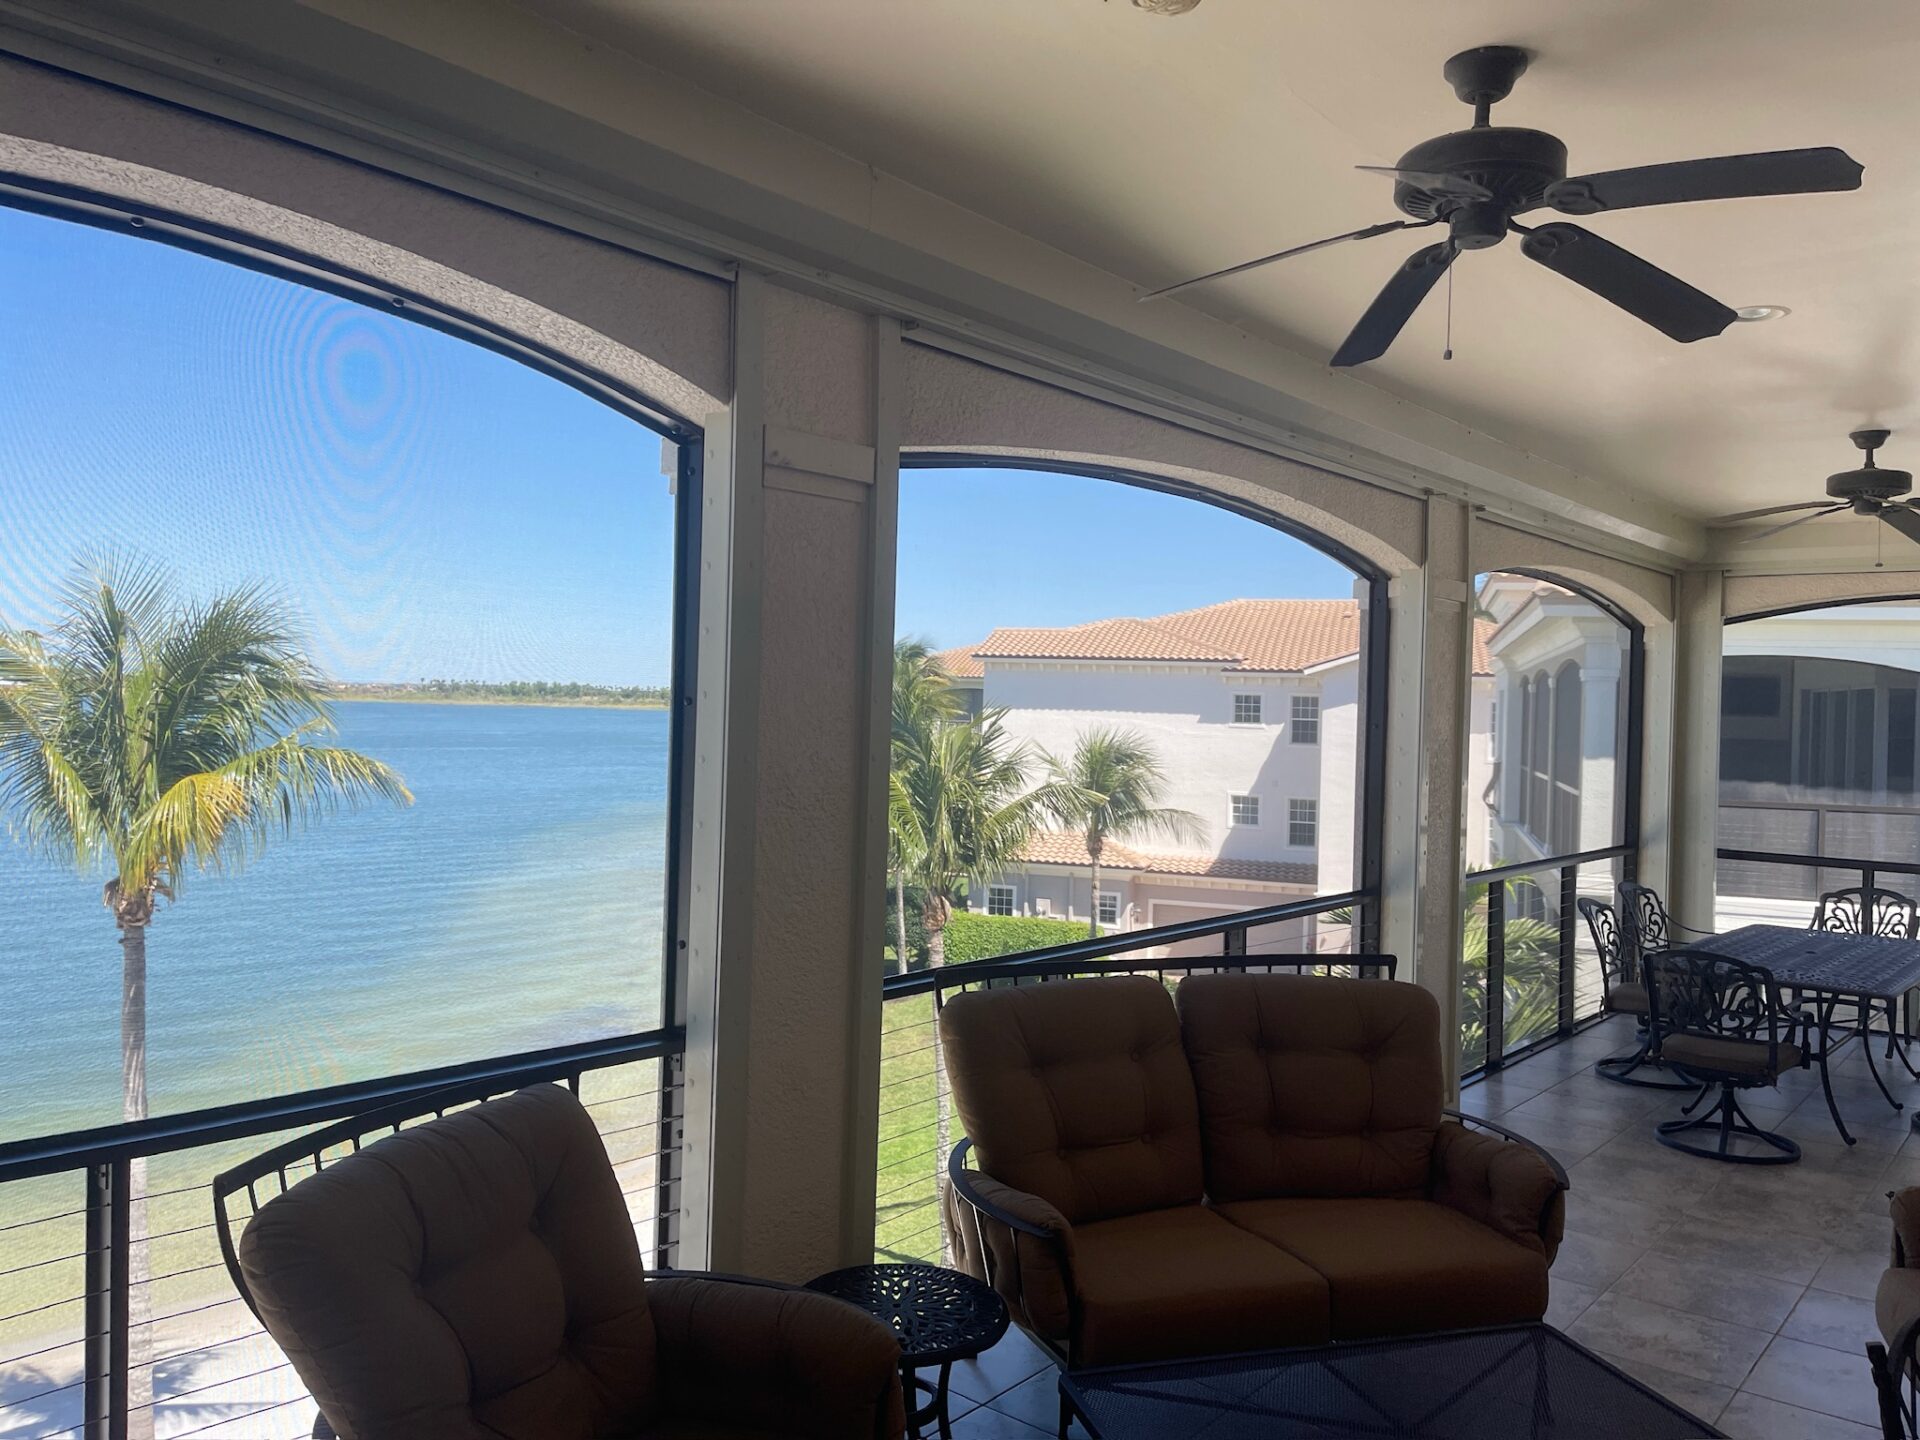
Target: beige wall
{"points": [[1754, 594]]}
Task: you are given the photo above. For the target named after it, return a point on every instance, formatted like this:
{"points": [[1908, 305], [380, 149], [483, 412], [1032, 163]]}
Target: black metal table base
{"points": [[935, 1411]]}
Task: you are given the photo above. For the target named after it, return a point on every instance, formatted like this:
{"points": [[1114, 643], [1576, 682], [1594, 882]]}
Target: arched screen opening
{"points": [[1819, 746], [1120, 708], [1549, 756]]}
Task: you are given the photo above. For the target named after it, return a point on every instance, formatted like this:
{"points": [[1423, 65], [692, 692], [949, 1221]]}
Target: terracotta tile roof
{"points": [[960, 663], [1059, 847], [1275, 636], [1124, 639]]}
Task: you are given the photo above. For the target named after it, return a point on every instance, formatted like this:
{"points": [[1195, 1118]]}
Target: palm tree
{"points": [[923, 700], [961, 808], [1111, 786], [147, 737]]}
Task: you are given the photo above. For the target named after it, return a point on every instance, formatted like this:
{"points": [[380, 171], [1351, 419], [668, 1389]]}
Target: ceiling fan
{"points": [[1476, 181], [1866, 491]]}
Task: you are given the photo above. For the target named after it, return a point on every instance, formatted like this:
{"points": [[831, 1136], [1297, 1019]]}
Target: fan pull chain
{"points": [[1447, 354]]}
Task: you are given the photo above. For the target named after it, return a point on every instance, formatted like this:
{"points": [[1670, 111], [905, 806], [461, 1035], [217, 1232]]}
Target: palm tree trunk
{"points": [[934, 917], [133, 1106], [900, 920], [1093, 920]]}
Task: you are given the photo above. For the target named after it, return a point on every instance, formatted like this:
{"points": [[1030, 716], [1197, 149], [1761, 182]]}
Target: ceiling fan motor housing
{"points": [[1871, 485], [1515, 164]]}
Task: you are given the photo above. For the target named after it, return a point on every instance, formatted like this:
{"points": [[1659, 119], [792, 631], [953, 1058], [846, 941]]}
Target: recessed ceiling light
{"points": [[1761, 312]]}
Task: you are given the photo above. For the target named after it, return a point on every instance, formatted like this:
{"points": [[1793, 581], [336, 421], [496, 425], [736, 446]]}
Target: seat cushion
{"points": [[1077, 1091], [1185, 1281], [1399, 1267], [1896, 1303], [1313, 1086], [1629, 997], [1724, 1055], [474, 1276]]}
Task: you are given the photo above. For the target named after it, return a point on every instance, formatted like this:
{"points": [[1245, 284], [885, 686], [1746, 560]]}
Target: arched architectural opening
{"points": [[1819, 751], [1551, 807]]}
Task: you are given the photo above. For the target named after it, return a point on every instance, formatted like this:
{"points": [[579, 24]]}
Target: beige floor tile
{"points": [[1645, 1334], [1840, 1322], [1566, 1299], [1816, 1378], [1714, 1291], [1754, 1417], [1753, 1249]]}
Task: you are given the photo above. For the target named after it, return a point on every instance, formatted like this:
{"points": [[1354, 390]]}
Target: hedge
{"points": [[973, 936]]}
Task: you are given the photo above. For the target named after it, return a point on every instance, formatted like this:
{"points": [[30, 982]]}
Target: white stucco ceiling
{"points": [[1160, 147]]}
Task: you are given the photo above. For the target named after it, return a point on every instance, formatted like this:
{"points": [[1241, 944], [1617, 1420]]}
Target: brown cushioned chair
{"points": [[1269, 1166], [1896, 1309], [478, 1278]]}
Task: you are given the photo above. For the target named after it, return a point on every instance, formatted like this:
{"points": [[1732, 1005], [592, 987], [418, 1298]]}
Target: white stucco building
{"points": [[1253, 707]]}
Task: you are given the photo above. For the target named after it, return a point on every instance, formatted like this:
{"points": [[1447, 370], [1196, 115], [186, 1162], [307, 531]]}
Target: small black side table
{"points": [[938, 1316]]}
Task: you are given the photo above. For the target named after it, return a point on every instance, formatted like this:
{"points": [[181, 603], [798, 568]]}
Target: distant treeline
{"points": [[510, 692]]}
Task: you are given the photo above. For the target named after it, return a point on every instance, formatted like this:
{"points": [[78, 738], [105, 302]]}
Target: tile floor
{"points": [[1743, 1293]]}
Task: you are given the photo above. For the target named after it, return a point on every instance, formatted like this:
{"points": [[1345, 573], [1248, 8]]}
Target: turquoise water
{"points": [[518, 903]]}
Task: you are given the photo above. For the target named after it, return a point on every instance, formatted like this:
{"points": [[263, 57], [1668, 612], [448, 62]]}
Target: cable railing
{"points": [[117, 1318], [1529, 975], [918, 1125]]}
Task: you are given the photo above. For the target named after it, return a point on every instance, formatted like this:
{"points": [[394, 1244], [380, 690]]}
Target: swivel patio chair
{"points": [[1647, 927], [477, 1277], [1623, 992], [1860, 911], [1724, 1027]]}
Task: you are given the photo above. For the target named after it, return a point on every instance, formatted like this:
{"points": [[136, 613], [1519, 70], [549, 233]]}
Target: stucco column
{"points": [[1696, 770], [1599, 743], [1431, 644], [796, 595]]}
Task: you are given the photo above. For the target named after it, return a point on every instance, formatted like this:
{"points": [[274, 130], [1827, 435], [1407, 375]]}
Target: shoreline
{"points": [[538, 702]]}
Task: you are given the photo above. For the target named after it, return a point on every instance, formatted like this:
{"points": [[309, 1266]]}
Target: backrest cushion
{"points": [[473, 1277], [1077, 1091], [1312, 1086]]}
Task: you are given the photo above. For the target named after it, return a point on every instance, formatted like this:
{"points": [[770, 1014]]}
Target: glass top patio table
{"points": [[1517, 1382]]}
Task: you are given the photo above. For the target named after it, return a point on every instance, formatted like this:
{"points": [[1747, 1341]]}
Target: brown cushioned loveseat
{"points": [[1262, 1162]]}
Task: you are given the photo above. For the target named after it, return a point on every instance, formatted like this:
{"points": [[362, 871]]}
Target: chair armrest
{"points": [[756, 1354], [1016, 1242], [1904, 1208], [1502, 1179]]}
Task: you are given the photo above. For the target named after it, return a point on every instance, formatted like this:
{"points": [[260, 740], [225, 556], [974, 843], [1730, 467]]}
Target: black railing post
{"points": [[1233, 943], [666, 1164], [97, 1379], [1569, 877], [1496, 1003], [119, 1295]]}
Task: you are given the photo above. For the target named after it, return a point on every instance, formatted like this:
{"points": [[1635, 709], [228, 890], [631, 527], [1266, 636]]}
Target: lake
{"points": [[518, 903]]}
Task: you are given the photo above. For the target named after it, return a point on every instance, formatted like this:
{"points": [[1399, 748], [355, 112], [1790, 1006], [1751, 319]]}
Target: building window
{"points": [[1246, 710], [1109, 908], [1306, 720], [1000, 900], [1303, 823], [1243, 809]]}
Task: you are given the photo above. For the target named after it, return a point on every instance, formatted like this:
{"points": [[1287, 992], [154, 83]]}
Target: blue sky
{"points": [[434, 510]]}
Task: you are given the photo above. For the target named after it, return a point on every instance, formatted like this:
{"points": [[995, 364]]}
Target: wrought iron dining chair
{"points": [[1860, 911], [1724, 1027], [1645, 923], [1623, 992]]}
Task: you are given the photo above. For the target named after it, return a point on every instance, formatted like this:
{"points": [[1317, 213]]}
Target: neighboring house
{"points": [[1253, 709]]}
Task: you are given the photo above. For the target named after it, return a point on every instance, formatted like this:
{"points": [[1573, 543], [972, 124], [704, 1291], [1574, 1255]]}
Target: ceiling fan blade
{"points": [[1903, 519], [1645, 291], [1433, 180], [1798, 520], [1740, 516], [1366, 234], [1725, 177], [1394, 305]]}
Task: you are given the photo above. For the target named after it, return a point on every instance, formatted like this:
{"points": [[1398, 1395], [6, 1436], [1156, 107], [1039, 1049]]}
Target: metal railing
{"points": [[918, 1127], [115, 1306], [1535, 980]]}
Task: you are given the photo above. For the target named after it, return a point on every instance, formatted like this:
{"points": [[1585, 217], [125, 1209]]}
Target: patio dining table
{"points": [[1833, 969]]}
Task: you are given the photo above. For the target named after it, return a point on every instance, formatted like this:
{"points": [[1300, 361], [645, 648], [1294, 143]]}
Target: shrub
{"points": [[973, 936]]}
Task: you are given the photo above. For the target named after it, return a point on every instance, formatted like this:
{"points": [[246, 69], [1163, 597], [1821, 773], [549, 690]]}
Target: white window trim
{"points": [[1292, 801], [1234, 823], [1294, 719], [1013, 900], [1107, 897], [1233, 710]]}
